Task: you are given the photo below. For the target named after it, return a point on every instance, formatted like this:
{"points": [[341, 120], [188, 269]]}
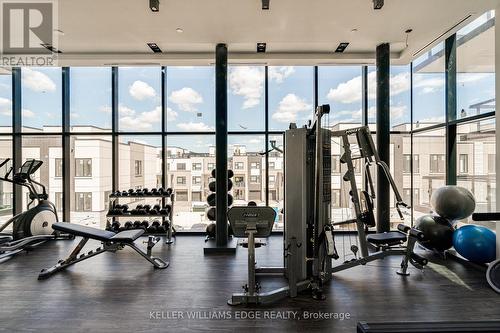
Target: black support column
{"points": [[383, 135], [451, 109], [17, 158], [114, 127], [221, 231], [66, 145]]}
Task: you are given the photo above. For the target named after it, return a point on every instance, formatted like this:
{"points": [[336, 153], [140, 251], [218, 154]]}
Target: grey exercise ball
{"points": [[453, 202]]}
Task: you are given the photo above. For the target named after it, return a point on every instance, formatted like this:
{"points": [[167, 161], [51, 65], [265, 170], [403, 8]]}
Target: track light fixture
{"points": [[265, 4], [154, 47], [342, 46], [261, 47], [154, 5], [378, 4]]}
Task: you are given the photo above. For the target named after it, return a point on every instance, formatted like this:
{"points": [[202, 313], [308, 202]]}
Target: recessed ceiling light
{"points": [[154, 5], [179, 30], [154, 47], [265, 4]]}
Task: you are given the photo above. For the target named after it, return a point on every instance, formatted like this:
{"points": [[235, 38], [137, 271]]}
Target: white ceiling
{"points": [[103, 32]]}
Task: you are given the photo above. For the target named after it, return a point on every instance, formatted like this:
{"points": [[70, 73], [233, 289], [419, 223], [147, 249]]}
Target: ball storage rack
{"points": [[166, 199]]}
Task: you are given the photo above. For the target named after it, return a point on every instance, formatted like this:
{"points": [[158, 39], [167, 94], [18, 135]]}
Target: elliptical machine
{"points": [[34, 226]]}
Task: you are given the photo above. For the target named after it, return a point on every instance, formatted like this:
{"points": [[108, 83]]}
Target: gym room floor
{"points": [[119, 292]]}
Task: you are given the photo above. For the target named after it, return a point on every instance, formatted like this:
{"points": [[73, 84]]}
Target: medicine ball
{"points": [[453, 202], [438, 232]]}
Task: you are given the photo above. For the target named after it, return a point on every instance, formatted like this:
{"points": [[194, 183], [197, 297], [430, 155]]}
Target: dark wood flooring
{"points": [[118, 292]]}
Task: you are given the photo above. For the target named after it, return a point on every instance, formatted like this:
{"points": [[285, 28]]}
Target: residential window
{"points": [[437, 163], [416, 164], [181, 181], [254, 179], [239, 180], [138, 168], [181, 166], [463, 163], [196, 180], [491, 163], [210, 166], [239, 166], [196, 166], [83, 167], [272, 179], [59, 167], [255, 165], [196, 196], [83, 201], [181, 196], [271, 165]]}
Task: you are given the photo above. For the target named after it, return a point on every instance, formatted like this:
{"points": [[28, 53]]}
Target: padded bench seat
{"points": [[387, 238], [98, 234]]}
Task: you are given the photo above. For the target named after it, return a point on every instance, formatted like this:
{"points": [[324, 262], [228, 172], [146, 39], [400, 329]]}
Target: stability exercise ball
{"points": [[438, 232], [453, 202], [475, 243]]}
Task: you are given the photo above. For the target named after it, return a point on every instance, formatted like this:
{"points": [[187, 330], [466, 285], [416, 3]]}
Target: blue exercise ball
{"points": [[453, 202], [438, 232], [475, 243]]}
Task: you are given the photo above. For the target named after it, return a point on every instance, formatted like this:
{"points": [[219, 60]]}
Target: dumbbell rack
{"points": [[113, 199]]}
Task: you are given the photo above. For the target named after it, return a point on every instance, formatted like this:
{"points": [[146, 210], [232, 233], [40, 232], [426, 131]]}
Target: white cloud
{"points": [[247, 82], [140, 90], [195, 127], [289, 107], [105, 109], [142, 121], [350, 91], [37, 81], [347, 116], [28, 113], [427, 84], [186, 99], [5, 106], [473, 77], [171, 114], [6, 109], [125, 111], [279, 74]]}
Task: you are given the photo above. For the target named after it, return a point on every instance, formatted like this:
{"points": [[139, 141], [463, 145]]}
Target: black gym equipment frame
{"points": [[111, 242]]}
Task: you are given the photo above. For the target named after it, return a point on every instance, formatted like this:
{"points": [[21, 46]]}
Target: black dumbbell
{"points": [[128, 225], [154, 191], [115, 226], [211, 214], [145, 224], [161, 229], [252, 203], [124, 193], [131, 192], [166, 210], [161, 191], [137, 224], [146, 191], [212, 186], [147, 208], [155, 210], [211, 200], [153, 228], [169, 191], [138, 192], [230, 173]]}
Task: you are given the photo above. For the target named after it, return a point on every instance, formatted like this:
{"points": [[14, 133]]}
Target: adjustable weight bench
{"points": [[111, 241]]}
